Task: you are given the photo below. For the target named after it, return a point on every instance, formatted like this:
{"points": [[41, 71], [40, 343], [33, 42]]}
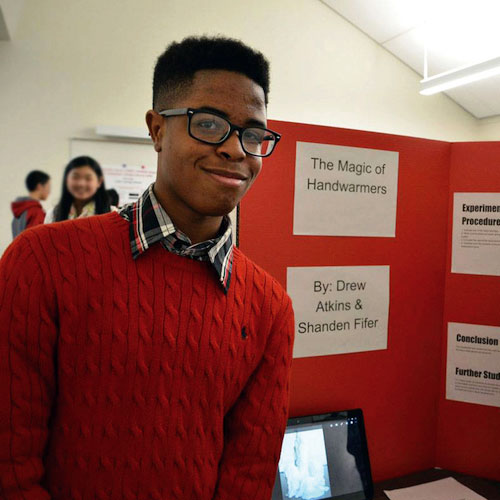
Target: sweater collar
{"points": [[149, 223]]}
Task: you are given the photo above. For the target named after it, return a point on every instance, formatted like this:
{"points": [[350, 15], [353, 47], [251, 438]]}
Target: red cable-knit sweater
{"points": [[123, 379]]}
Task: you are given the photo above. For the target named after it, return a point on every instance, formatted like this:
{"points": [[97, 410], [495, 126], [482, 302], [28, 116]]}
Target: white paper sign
{"points": [[339, 309], [129, 180], [442, 489], [476, 234], [473, 364], [345, 191]]}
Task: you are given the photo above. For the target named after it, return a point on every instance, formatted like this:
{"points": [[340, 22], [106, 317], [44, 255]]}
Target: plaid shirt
{"points": [[149, 223]]}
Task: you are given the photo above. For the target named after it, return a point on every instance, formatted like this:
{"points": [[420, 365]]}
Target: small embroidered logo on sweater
{"points": [[244, 333]]}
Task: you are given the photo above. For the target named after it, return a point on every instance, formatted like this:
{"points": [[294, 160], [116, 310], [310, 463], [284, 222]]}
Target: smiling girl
{"points": [[83, 191]]}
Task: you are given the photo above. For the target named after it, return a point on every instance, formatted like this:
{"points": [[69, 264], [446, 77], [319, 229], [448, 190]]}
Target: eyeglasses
{"points": [[210, 128]]}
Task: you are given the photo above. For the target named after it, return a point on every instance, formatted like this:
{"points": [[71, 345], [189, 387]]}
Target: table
{"points": [[487, 488]]}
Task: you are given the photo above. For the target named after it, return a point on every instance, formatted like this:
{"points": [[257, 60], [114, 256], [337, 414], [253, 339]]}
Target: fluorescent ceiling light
{"points": [[458, 77]]}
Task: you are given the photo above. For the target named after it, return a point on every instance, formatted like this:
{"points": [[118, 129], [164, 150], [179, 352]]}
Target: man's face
{"points": [[197, 180]]}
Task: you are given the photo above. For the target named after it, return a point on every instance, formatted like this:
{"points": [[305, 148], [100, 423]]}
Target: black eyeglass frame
{"points": [[190, 112]]}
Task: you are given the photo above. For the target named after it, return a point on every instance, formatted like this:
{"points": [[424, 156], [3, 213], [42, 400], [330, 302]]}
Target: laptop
{"points": [[324, 457]]}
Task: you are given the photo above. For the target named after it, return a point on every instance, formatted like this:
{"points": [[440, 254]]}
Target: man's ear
{"points": [[154, 122]]}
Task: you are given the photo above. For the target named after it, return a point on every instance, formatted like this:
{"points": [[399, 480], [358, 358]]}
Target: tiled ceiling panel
{"points": [[380, 19], [398, 25]]}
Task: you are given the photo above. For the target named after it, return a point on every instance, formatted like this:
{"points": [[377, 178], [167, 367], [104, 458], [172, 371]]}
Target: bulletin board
{"points": [[129, 167]]}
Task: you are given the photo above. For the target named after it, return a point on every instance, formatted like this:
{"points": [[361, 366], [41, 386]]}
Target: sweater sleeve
{"points": [[254, 427], [27, 373]]}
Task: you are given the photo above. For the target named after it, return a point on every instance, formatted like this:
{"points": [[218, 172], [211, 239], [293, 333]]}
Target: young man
{"points": [[146, 356], [27, 210]]}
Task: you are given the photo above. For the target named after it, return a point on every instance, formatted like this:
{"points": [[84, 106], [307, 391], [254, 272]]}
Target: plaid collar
{"points": [[149, 224]]}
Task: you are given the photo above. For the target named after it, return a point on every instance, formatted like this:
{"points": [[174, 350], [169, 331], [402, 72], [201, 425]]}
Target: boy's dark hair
{"points": [[34, 178], [175, 68], [113, 197]]}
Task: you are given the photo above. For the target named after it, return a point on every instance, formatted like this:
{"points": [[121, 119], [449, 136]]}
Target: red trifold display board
{"points": [[401, 389], [468, 435]]}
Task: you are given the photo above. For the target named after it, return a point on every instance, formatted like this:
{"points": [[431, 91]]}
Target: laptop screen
{"points": [[324, 457]]}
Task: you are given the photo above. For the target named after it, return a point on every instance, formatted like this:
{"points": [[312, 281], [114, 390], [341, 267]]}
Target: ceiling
{"points": [[458, 33]]}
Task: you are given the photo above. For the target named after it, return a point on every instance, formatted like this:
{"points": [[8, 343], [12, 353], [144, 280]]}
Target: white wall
{"points": [[73, 65], [10, 11], [489, 129]]}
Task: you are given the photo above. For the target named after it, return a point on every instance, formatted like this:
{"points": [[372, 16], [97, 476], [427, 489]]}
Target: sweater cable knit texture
{"points": [[123, 379]]}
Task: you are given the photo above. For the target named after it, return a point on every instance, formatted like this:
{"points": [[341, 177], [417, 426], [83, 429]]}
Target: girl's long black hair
{"points": [[100, 198]]}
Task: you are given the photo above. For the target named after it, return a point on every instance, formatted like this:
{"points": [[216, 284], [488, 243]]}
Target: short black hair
{"points": [[176, 67], [34, 178], [114, 197]]}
